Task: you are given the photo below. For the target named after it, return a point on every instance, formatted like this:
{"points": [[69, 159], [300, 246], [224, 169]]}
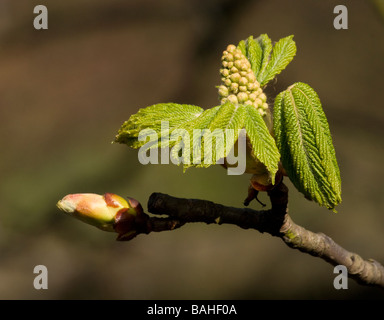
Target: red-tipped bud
{"points": [[108, 212]]}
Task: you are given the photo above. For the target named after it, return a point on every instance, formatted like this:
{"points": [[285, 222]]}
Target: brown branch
{"points": [[275, 221]]}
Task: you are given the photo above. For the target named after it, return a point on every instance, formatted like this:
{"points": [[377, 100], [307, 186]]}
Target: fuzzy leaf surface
{"points": [[303, 137]]}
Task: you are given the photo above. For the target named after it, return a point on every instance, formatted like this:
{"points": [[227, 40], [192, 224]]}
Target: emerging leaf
{"points": [[265, 44], [263, 145], [265, 62], [303, 137], [283, 53]]}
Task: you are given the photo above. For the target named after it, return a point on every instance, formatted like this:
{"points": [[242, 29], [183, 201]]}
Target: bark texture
{"points": [[274, 221]]}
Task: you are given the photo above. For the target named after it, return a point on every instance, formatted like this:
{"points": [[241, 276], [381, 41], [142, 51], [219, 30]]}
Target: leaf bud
{"points": [[108, 212]]}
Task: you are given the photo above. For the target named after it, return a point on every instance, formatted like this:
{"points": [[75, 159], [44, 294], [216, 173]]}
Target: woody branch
{"points": [[274, 221]]}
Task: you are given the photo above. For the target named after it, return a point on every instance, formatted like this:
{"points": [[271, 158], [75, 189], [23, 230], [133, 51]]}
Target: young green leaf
{"points": [[211, 136], [283, 52], [151, 118], [265, 44], [253, 50], [262, 143], [266, 60], [303, 137], [185, 139], [224, 130]]}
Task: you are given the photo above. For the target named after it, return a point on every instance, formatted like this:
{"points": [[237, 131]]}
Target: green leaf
{"points": [[266, 60], [303, 137], [257, 52], [283, 53], [212, 142], [151, 117], [243, 46], [185, 133], [263, 145], [265, 44], [229, 117]]}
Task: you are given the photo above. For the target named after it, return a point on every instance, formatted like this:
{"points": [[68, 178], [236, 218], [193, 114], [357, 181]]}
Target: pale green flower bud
{"points": [[234, 87], [231, 48], [224, 72], [245, 66], [235, 77], [240, 81], [252, 96], [223, 91], [227, 82], [258, 102], [238, 64], [251, 86], [251, 77], [228, 57], [262, 97], [242, 96], [238, 55], [232, 98], [243, 88], [243, 81]]}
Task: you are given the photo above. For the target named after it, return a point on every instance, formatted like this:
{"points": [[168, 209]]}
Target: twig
{"points": [[275, 221]]}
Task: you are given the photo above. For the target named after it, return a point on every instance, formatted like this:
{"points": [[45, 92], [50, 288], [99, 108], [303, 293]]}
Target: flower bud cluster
{"points": [[239, 82]]}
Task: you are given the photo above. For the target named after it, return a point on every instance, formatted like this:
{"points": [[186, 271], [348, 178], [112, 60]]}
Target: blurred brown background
{"points": [[65, 91]]}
